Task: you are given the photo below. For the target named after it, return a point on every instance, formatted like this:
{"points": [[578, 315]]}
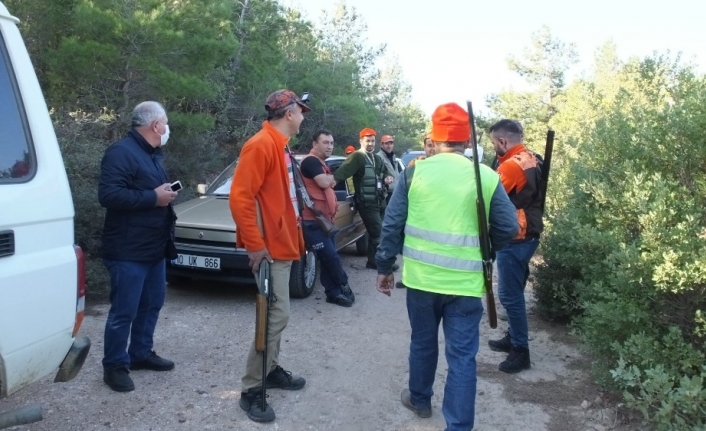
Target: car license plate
{"points": [[197, 261]]}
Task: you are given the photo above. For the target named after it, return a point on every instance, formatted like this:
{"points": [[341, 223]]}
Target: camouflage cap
{"points": [[283, 98]]}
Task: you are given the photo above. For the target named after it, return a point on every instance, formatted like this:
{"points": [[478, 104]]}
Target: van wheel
{"points": [[302, 278], [361, 245]]}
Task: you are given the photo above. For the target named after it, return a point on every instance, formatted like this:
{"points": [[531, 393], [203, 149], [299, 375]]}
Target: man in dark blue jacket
{"points": [[137, 236]]}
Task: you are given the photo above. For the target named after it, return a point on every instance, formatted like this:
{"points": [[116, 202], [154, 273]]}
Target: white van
{"points": [[42, 277]]}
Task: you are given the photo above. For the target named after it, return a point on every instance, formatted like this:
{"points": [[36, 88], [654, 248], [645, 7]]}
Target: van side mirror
{"points": [[201, 189]]}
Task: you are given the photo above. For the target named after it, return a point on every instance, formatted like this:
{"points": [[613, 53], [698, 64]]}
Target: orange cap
{"points": [[350, 149], [387, 138], [449, 123], [367, 132]]}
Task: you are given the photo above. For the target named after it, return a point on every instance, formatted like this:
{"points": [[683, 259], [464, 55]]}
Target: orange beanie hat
{"points": [[449, 123], [350, 149]]}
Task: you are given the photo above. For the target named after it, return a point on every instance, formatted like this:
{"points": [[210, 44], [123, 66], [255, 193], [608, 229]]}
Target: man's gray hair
{"points": [[147, 112]]}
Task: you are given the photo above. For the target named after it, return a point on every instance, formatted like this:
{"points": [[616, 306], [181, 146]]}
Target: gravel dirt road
{"points": [[354, 360]]}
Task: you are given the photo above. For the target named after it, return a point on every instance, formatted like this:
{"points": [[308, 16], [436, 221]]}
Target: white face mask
{"points": [[164, 138], [468, 152]]}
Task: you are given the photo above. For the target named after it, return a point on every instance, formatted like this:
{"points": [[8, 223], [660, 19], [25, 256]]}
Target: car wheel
{"points": [[302, 278], [361, 245]]}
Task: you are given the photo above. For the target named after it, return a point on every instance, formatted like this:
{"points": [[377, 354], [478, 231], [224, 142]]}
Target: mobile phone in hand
{"points": [[175, 186]]}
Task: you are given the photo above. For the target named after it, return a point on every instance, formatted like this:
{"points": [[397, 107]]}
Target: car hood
{"points": [[205, 212]]}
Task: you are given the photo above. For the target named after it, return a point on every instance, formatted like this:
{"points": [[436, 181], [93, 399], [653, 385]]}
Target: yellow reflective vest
{"points": [[441, 247]]}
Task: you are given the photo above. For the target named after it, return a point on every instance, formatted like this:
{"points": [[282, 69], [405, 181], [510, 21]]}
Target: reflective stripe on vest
{"points": [[443, 261], [443, 238], [441, 247]]}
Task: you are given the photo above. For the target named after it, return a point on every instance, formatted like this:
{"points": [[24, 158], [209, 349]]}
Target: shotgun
{"points": [[485, 249], [546, 165], [262, 308]]}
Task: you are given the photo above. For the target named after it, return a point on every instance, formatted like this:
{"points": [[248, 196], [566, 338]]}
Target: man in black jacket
{"points": [[137, 236]]}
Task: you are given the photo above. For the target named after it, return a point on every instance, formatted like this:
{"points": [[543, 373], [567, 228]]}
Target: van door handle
{"points": [[7, 243]]}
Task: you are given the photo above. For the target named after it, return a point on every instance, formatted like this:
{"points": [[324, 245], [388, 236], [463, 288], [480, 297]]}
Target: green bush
{"points": [[624, 255], [664, 380]]}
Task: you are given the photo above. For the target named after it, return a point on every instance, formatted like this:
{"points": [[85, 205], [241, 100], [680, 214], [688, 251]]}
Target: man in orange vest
{"points": [[319, 184], [520, 173], [428, 150]]}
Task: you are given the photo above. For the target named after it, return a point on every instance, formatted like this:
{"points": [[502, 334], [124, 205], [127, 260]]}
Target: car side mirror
{"points": [[201, 189]]}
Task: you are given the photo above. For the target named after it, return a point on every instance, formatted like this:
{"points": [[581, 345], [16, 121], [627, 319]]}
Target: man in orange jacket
{"points": [[428, 151], [264, 174], [520, 173]]}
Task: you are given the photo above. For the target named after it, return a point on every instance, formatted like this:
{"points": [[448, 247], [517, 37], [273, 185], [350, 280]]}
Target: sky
{"points": [[457, 50]]}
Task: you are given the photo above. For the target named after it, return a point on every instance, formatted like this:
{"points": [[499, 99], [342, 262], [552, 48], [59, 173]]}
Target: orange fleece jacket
{"points": [[262, 174]]}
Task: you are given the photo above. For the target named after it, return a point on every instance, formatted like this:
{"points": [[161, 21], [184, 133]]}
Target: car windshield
{"points": [[221, 185]]}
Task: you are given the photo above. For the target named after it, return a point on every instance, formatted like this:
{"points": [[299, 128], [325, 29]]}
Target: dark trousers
{"points": [[372, 214], [332, 274], [460, 317], [137, 291]]}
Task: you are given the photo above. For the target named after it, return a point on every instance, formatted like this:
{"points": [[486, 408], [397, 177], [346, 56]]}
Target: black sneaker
{"points": [[373, 265], [118, 379], [154, 363], [251, 402], [407, 402], [400, 285], [501, 345], [347, 291], [281, 379], [341, 300], [518, 360]]}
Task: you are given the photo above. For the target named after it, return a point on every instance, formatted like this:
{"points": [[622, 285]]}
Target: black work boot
{"points": [[251, 402], [342, 300], [281, 379], [153, 362], [118, 379], [517, 360], [346, 289], [501, 345]]}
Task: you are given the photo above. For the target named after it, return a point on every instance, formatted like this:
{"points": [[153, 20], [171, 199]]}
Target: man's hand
{"points": [[165, 195], [389, 179], [256, 257], [386, 283]]}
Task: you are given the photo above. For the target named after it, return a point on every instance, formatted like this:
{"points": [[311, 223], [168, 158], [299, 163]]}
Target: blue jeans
{"points": [[513, 271], [461, 317], [332, 274], [137, 291]]}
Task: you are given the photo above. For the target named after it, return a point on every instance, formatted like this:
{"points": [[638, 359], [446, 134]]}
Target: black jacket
{"points": [[135, 228]]}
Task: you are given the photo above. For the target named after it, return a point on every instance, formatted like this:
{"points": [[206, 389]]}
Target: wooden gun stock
{"points": [[260, 323]]}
